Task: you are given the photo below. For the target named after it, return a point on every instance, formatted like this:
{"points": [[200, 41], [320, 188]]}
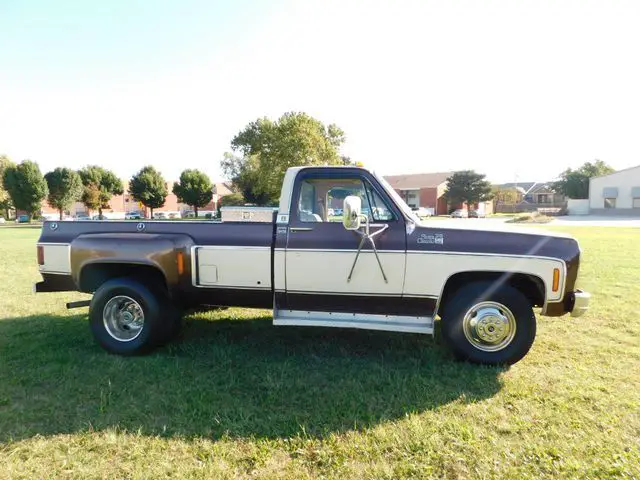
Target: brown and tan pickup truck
{"points": [[342, 250]]}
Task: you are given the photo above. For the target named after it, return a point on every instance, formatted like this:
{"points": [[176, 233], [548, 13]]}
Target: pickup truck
{"points": [[376, 266]]}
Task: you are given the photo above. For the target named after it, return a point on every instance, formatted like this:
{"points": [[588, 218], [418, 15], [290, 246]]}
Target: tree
{"points": [[506, 196], [5, 198], [65, 187], [26, 186], [233, 199], [267, 148], [575, 183], [195, 189], [245, 175], [105, 181], [149, 188], [468, 187], [92, 198]]}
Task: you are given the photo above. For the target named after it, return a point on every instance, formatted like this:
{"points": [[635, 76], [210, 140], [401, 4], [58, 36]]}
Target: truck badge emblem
{"points": [[140, 227], [437, 239], [53, 226]]}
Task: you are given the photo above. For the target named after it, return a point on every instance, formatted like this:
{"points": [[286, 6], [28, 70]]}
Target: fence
{"points": [[524, 207]]}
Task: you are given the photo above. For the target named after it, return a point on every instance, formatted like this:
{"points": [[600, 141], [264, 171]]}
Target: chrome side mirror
{"points": [[351, 212]]}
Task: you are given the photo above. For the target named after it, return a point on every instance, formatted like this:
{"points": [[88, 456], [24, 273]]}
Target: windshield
{"points": [[406, 210]]}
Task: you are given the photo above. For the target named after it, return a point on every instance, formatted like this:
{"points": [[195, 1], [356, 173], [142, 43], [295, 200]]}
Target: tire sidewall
{"points": [[151, 308], [468, 296]]}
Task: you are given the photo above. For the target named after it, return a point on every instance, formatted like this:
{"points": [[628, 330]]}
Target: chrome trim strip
{"points": [[361, 321], [233, 247]]}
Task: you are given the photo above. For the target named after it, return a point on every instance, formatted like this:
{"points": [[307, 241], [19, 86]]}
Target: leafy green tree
{"points": [[267, 148], [5, 198], [92, 197], [468, 186], [65, 188], [506, 196], [245, 175], [232, 200], [195, 189], [149, 188], [26, 186], [575, 183], [107, 182]]}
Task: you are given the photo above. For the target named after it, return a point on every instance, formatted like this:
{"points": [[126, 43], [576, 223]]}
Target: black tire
{"points": [[172, 322], [152, 305], [484, 296]]}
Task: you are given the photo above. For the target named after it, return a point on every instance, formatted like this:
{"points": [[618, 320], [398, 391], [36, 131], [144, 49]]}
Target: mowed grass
{"points": [[237, 397]]}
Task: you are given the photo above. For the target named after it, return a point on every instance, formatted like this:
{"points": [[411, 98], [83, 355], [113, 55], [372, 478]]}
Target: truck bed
{"points": [[259, 234]]}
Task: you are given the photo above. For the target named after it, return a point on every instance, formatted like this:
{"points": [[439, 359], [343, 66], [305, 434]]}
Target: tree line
{"points": [[24, 188], [260, 155]]}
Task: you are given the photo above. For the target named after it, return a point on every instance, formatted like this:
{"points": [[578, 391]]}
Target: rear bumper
{"points": [[55, 283], [576, 303]]}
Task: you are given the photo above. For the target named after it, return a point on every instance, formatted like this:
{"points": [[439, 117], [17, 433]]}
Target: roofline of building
{"points": [[613, 173]]}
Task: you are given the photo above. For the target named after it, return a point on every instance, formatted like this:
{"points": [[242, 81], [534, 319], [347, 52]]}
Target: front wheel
{"points": [[484, 325]]}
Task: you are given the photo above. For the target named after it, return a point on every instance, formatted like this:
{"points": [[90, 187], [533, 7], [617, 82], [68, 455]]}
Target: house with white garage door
{"points": [[616, 194]]}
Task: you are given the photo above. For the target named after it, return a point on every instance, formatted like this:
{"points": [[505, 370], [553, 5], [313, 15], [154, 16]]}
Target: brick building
{"points": [[422, 190], [120, 205]]}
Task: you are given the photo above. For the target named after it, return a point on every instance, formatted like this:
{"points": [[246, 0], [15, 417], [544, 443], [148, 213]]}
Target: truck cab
{"points": [[342, 250]]}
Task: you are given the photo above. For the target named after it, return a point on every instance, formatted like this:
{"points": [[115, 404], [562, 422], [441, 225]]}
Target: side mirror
{"points": [[352, 209]]}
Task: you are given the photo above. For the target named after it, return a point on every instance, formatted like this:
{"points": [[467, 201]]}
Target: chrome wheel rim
{"points": [[489, 326], [123, 318]]}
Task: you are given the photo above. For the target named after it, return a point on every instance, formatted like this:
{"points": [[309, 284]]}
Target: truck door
{"points": [[320, 252]]}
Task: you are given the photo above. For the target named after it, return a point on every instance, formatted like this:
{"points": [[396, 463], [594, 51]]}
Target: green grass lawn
{"points": [[237, 397]]}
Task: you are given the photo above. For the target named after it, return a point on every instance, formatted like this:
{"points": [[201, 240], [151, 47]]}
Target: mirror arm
{"points": [[369, 236]]}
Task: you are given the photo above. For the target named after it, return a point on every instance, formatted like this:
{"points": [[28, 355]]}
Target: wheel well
{"points": [[95, 274], [530, 285]]}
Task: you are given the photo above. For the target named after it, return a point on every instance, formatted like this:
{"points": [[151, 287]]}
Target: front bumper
{"points": [[580, 303], [576, 303]]}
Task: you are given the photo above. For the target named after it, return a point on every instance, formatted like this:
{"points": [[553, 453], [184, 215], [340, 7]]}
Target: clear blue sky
{"points": [[522, 88]]}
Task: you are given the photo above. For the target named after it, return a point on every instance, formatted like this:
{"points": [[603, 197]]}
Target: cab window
{"points": [[321, 200]]}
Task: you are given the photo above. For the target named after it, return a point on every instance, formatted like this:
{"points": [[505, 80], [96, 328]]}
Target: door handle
{"points": [[300, 229]]}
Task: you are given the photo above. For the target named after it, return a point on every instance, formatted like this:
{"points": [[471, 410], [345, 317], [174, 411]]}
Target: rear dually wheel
{"points": [[128, 318]]}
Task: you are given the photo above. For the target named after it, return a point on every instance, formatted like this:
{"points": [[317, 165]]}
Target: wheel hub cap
{"points": [[489, 326], [123, 318]]}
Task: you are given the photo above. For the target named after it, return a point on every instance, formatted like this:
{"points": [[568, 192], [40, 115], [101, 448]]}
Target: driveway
{"points": [[498, 223], [596, 221]]}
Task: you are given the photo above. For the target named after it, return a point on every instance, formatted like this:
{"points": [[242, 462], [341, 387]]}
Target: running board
{"points": [[391, 323]]}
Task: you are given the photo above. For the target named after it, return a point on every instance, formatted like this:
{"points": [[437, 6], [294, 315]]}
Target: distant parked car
{"points": [[160, 216], [460, 213], [476, 214], [189, 214], [98, 217], [133, 216], [82, 217], [422, 212], [23, 219]]}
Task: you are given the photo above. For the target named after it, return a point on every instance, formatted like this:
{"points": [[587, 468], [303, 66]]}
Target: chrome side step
{"points": [[391, 323]]}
